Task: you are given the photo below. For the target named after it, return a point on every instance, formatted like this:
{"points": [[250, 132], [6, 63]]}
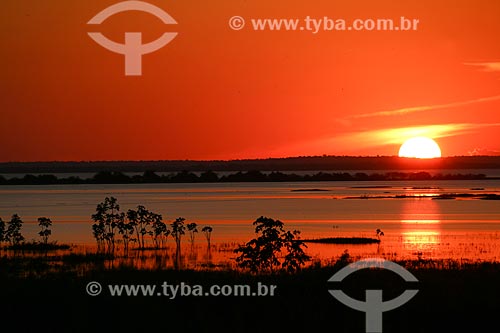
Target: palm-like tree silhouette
{"points": [[192, 229], [207, 230]]}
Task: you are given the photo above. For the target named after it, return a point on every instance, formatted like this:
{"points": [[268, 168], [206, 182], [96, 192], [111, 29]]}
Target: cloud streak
{"points": [[485, 66], [396, 136], [414, 109], [392, 136], [358, 142]]}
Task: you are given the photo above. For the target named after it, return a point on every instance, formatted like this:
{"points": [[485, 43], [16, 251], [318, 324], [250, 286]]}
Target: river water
{"points": [[414, 226]]}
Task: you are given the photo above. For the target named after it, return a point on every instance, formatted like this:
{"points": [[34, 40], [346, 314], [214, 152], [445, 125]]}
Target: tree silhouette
{"points": [[207, 230], [379, 233], [178, 229], [13, 234], [2, 231], [107, 218], [45, 223], [159, 231], [263, 254], [295, 258], [126, 229], [99, 232], [192, 229], [141, 219]]}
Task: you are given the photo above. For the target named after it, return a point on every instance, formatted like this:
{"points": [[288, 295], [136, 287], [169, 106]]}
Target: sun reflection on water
{"points": [[421, 226]]}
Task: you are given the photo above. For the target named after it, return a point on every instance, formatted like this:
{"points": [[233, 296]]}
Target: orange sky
{"points": [[215, 93]]}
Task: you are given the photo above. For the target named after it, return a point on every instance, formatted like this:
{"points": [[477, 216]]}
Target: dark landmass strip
{"points": [[343, 240], [302, 163], [444, 196], [113, 177], [482, 196]]}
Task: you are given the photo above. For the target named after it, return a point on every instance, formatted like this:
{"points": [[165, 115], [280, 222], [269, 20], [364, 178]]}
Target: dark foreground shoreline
{"points": [[453, 297]]}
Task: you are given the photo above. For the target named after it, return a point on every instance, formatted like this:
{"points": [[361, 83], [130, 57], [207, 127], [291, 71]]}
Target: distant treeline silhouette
{"points": [[300, 163], [113, 177]]}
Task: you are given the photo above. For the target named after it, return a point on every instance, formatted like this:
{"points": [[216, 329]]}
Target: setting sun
{"points": [[420, 147]]}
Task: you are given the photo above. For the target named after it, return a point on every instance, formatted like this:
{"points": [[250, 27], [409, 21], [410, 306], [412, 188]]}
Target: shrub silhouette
{"points": [[265, 253]]}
